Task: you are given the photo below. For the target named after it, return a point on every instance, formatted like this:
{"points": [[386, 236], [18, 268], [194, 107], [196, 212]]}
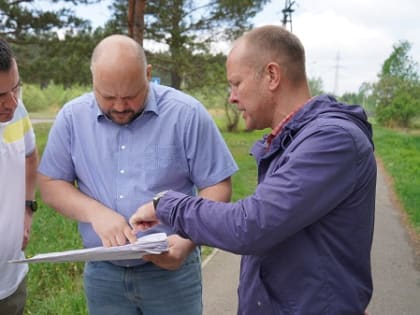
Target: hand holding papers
{"points": [[148, 244]]}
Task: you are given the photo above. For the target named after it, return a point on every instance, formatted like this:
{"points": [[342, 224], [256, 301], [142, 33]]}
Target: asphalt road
{"points": [[220, 281], [396, 279], [395, 276]]}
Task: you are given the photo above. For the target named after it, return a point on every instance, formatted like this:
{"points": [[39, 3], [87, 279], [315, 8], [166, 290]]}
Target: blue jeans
{"points": [[145, 289]]}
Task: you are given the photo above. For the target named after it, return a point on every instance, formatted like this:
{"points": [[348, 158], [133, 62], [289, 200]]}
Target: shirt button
{"points": [[122, 171], [121, 196], [123, 147], [259, 303]]}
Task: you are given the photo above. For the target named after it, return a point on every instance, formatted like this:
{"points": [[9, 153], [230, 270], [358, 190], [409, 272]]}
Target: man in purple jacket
{"points": [[306, 232]]}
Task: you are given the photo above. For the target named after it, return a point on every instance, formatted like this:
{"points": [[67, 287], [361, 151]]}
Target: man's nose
{"points": [[232, 97], [120, 104]]}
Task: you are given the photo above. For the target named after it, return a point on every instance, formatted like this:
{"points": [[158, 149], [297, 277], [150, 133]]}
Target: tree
{"points": [[362, 97], [398, 101], [135, 19], [188, 27], [398, 90], [316, 86], [400, 64], [43, 56], [19, 22], [210, 70]]}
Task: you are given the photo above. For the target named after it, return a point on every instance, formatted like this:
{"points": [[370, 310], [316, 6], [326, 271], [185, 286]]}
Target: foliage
{"points": [[399, 64], [21, 20], [206, 80], [208, 77], [363, 97], [53, 288], [232, 117], [55, 46], [350, 98], [399, 102], [398, 90], [188, 27], [64, 60], [42, 54], [400, 153], [316, 86], [49, 100]]}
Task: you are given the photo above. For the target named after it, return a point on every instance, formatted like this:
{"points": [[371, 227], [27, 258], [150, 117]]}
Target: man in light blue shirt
{"points": [[121, 144]]}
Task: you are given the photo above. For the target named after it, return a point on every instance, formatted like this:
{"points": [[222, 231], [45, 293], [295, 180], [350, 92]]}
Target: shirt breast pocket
{"points": [[162, 157], [165, 166]]}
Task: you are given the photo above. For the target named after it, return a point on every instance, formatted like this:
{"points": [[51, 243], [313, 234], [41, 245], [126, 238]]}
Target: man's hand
{"points": [[112, 228], [144, 218], [179, 249]]}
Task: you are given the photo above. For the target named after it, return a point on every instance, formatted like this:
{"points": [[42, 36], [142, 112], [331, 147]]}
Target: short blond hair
{"points": [[273, 43]]}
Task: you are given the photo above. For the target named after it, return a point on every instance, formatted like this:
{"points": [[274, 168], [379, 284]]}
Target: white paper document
{"points": [[148, 244]]}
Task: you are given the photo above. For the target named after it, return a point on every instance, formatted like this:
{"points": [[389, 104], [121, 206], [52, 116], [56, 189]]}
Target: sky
{"points": [[346, 42]]}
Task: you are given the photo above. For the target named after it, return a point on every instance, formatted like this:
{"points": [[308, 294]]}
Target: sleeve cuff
{"points": [[167, 207]]}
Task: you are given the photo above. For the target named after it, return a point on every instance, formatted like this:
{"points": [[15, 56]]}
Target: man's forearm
{"points": [[65, 198], [221, 191], [30, 176]]}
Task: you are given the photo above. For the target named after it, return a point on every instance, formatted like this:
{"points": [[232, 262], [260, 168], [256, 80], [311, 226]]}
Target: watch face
{"points": [[32, 204]]}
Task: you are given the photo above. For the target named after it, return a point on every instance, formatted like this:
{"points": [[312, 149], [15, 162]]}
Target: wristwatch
{"points": [[157, 197], [31, 204]]}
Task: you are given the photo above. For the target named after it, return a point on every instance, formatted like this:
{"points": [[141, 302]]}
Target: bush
{"points": [[50, 99], [398, 102]]}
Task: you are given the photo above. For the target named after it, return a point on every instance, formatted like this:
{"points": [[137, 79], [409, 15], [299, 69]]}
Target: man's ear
{"points": [[274, 73]]}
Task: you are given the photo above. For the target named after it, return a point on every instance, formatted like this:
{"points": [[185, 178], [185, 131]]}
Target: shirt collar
{"points": [[277, 130]]}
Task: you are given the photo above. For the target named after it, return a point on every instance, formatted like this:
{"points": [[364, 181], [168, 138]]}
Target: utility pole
{"points": [[287, 14], [336, 77]]}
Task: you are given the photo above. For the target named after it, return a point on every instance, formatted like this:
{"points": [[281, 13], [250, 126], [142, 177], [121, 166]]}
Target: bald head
{"points": [[118, 51], [120, 77]]}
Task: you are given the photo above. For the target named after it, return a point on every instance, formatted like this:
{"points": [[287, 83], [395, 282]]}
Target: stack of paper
{"points": [[148, 244]]}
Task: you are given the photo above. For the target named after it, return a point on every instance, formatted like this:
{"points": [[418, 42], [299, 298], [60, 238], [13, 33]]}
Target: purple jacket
{"points": [[306, 232]]}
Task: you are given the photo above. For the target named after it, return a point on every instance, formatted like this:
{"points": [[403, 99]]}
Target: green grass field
{"points": [[57, 288], [400, 153]]}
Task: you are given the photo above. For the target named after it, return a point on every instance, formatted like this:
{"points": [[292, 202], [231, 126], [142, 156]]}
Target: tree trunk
{"points": [[135, 19]]}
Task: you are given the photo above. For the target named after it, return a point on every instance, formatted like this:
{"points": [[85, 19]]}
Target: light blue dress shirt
{"points": [[174, 144]]}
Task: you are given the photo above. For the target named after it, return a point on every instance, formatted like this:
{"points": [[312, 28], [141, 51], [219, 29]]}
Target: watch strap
{"points": [[157, 197], [31, 204]]}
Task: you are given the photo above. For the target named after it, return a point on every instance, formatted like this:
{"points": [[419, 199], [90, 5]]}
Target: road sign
{"points": [[155, 80]]}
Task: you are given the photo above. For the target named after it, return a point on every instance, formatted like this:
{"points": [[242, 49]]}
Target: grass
{"points": [[400, 153], [53, 288]]}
